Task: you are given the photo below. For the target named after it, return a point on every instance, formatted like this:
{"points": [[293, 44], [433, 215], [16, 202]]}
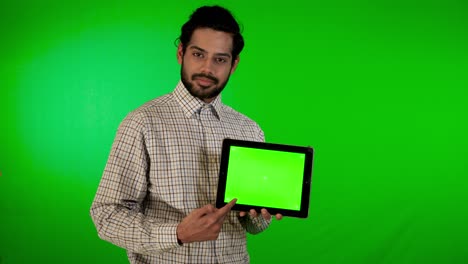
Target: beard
{"points": [[202, 92]]}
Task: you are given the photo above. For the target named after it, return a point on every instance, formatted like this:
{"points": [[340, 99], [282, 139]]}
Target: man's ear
{"points": [[234, 65], [180, 53]]}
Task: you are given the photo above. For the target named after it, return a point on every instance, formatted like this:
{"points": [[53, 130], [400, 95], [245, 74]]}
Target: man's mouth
{"points": [[204, 80]]}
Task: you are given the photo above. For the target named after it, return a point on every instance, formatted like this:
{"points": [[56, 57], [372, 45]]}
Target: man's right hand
{"points": [[203, 224]]}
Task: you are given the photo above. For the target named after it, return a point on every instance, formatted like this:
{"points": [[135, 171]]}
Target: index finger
{"points": [[225, 209]]}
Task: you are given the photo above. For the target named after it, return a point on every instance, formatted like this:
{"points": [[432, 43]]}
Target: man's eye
{"points": [[197, 54], [221, 60]]}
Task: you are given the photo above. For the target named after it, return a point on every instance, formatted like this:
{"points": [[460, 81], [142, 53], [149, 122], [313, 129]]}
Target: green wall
{"points": [[378, 88]]}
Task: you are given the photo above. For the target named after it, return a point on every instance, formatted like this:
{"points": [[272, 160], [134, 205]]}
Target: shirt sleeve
{"points": [[117, 208]]}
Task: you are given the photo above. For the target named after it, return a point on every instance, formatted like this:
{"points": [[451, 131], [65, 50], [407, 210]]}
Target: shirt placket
{"points": [[210, 163], [207, 118]]}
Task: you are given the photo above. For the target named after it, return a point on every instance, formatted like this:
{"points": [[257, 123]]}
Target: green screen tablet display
{"points": [[258, 177]]}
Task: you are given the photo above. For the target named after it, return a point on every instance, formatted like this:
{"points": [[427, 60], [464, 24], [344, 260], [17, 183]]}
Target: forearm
{"points": [[128, 228], [116, 210]]}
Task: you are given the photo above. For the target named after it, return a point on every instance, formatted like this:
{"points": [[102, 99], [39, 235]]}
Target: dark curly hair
{"points": [[216, 18]]}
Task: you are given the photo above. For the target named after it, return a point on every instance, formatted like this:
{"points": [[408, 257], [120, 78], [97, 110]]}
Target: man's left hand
{"points": [[265, 214]]}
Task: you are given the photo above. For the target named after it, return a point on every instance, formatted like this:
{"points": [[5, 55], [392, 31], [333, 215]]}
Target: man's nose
{"points": [[207, 66]]}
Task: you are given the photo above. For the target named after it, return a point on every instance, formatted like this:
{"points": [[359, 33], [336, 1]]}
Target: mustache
{"points": [[197, 75]]}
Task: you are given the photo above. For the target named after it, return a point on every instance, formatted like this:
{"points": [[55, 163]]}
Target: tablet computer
{"points": [[265, 175]]}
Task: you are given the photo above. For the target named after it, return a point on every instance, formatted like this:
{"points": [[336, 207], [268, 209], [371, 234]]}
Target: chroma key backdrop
{"points": [[378, 88]]}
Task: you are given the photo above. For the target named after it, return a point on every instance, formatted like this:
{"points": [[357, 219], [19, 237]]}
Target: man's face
{"points": [[207, 63]]}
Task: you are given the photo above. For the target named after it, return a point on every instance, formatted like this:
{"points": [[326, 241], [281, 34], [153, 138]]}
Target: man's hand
{"points": [[203, 224], [264, 212]]}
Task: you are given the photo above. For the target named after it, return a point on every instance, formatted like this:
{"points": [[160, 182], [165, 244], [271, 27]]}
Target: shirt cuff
{"points": [[167, 235]]}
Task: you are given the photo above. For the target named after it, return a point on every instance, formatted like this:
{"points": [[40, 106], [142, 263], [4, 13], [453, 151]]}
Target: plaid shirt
{"points": [[163, 164]]}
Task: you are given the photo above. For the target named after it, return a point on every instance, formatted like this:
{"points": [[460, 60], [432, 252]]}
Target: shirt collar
{"points": [[191, 105]]}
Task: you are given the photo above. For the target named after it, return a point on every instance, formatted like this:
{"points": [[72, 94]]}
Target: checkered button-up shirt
{"points": [[163, 164]]}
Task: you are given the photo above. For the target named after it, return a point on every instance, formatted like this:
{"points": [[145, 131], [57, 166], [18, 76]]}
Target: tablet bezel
{"points": [[306, 180]]}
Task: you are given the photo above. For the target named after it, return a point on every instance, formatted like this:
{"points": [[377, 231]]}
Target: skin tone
{"points": [[205, 69]]}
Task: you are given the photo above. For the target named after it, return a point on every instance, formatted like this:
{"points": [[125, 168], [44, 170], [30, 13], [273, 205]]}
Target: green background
{"points": [[378, 88], [261, 177]]}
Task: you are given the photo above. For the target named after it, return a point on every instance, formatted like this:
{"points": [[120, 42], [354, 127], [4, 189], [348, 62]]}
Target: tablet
{"points": [[265, 175]]}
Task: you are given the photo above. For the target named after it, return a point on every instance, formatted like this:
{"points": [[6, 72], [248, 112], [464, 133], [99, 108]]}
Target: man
{"points": [[156, 194]]}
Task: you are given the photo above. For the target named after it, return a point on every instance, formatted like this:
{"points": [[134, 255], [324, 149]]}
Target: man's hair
{"points": [[216, 18]]}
